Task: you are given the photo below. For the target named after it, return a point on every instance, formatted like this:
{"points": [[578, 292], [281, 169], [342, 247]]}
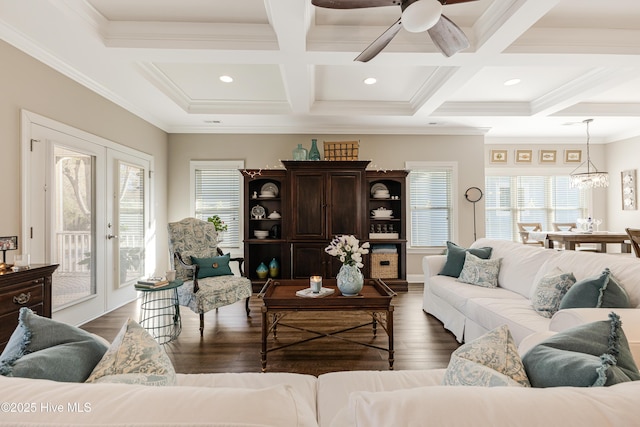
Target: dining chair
{"points": [[209, 282], [634, 235], [563, 226], [525, 228]]}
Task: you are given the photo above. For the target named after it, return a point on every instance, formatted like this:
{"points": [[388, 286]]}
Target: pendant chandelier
{"points": [[592, 178]]}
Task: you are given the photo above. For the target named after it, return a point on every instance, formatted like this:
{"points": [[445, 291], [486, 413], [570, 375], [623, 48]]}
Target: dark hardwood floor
{"points": [[231, 341]]}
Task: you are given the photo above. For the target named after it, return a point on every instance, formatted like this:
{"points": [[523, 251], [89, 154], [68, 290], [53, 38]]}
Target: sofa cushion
{"points": [[480, 272], [457, 293], [598, 291], [213, 266], [456, 257], [134, 358], [495, 406], [595, 354], [516, 313], [519, 264], [549, 291], [44, 348], [489, 361]]}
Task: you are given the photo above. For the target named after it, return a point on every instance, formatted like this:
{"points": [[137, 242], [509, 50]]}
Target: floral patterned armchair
{"points": [[192, 237]]}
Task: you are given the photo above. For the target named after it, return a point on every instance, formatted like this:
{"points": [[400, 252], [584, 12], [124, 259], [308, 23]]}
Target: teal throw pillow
{"points": [[480, 272], [211, 267], [44, 348], [594, 354], [602, 291], [549, 291], [456, 257]]}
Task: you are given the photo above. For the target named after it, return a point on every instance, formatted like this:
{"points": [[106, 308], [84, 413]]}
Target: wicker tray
{"points": [[342, 150]]}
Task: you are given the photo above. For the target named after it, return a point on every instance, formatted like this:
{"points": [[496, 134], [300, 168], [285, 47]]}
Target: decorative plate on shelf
{"points": [[270, 187], [257, 212], [378, 186]]}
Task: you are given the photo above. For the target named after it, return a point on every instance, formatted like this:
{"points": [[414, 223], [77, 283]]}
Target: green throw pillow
{"points": [[594, 354], [488, 361], [216, 266], [600, 291], [456, 256], [44, 348]]}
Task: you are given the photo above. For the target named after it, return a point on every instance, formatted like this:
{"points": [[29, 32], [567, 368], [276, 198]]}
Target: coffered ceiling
{"points": [[293, 70]]}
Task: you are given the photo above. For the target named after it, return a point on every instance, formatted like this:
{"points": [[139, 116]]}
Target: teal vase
{"points": [[262, 271], [350, 280], [274, 268], [300, 153], [314, 153]]}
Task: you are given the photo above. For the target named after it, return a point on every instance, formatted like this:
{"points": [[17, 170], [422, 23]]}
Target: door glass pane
{"points": [[74, 280], [130, 222]]}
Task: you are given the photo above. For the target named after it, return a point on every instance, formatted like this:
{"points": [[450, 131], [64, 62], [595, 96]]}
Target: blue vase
{"points": [[262, 271], [274, 268], [314, 153], [350, 280]]}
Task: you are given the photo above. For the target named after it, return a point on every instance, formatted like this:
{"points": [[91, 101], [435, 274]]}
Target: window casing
{"points": [[217, 190], [431, 203], [543, 199]]}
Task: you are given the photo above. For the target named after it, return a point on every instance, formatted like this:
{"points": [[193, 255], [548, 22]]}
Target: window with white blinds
{"points": [[543, 199], [217, 190], [431, 203]]}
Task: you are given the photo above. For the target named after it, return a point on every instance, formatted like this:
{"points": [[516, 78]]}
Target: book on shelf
{"points": [[151, 283], [308, 293]]}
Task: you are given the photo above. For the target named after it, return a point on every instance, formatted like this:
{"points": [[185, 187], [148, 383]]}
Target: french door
{"points": [[85, 208]]}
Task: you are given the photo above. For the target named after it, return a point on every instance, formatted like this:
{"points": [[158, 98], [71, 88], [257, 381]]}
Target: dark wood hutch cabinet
{"points": [[318, 200], [27, 288]]}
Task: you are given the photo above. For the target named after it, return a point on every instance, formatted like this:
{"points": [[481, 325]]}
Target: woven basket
{"points": [[384, 266], [345, 150]]}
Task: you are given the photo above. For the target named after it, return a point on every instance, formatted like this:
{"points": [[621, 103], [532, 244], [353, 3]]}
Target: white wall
{"points": [[385, 152], [28, 84], [621, 155]]}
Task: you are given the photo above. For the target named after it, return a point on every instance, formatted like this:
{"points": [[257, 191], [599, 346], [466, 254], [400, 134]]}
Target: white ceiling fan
{"points": [[417, 16]]}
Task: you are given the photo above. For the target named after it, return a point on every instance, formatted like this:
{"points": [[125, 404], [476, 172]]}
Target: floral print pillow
{"points": [[480, 272]]}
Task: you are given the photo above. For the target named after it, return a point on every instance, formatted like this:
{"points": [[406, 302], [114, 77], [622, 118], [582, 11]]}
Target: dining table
{"points": [[569, 239]]}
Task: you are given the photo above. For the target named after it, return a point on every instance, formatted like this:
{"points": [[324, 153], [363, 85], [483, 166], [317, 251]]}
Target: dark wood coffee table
{"points": [[280, 299]]}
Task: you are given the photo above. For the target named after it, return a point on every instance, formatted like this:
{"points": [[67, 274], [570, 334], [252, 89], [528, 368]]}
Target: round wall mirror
{"points": [[473, 194]]}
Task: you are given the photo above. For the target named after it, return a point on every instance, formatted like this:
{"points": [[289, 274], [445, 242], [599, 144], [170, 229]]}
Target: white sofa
{"points": [[340, 399], [470, 311]]}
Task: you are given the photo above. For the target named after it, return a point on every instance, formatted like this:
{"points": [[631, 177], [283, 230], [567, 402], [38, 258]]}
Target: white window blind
{"points": [[217, 190], [430, 193], [543, 199]]}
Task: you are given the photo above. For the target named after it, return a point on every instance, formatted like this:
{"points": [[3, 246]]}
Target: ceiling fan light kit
{"points": [[420, 15]]}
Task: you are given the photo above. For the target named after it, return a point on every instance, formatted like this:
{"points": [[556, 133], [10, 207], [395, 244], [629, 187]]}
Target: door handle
{"points": [[111, 236]]}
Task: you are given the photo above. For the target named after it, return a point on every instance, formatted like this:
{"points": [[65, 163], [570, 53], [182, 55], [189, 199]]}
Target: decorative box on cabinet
{"points": [[274, 245], [27, 288]]}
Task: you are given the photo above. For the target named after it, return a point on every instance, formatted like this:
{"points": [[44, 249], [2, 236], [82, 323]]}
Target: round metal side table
{"points": [[160, 311]]}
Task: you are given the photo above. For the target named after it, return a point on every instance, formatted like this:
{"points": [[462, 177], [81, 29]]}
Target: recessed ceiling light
{"points": [[226, 79], [512, 82], [370, 80]]}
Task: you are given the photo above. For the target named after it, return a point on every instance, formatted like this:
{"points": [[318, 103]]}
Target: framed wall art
{"points": [[629, 196], [524, 156], [547, 156], [498, 156], [572, 156]]}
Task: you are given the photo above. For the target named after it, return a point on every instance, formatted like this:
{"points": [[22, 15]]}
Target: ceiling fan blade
{"points": [[448, 37], [353, 4], [380, 43]]}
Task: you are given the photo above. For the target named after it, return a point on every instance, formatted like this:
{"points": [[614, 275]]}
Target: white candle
{"points": [[22, 260], [316, 283]]}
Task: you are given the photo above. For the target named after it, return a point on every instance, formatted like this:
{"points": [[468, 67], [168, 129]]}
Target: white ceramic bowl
{"points": [[382, 213], [261, 234]]}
